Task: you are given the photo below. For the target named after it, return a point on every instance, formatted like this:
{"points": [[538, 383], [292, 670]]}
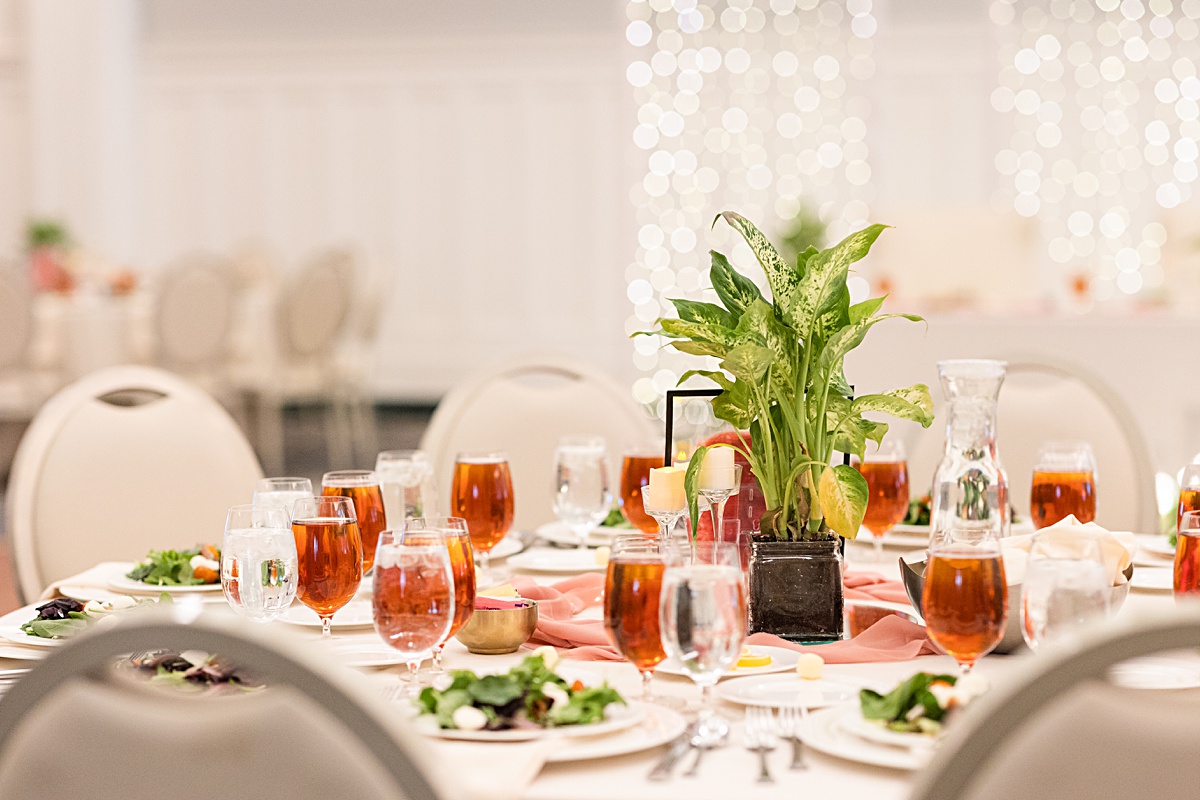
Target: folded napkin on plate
{"points": [[890, 639], [1067, 537]]}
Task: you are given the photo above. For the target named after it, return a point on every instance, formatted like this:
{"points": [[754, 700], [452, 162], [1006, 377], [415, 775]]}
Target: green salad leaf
{"points": [[75, 622], [616, 519], [893, 709], [166, 568]]}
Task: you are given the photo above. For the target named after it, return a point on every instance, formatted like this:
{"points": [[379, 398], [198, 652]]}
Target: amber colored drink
{"points": [[368, 507], [1187, 563], [1189, 500], [965, 603], [330, 563], [482, 494], [462, 565], [410, 604], [887, 494], [1057, 494], [631, 596], [635, 474]]}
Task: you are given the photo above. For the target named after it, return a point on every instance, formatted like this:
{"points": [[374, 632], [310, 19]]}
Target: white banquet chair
{"points": [[193, 312], [80, 726], [523, 408], [22, 388], [1043, 401], [1057, 728], [124, 460]]}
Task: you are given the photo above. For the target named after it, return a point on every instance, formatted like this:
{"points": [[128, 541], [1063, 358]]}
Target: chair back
{"points": [[78, 726], [314, 306], [523, 409], [124, 460], [193, 314], [1058, 728], [16, 317]]}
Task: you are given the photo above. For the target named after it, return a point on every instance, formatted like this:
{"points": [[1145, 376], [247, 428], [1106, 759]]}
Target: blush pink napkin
{"points": [[891, 639]]}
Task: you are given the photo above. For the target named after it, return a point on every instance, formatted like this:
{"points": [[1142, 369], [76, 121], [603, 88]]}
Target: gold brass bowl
{"points": [[493, 631]]}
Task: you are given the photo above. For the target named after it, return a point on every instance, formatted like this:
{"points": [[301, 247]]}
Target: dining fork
{"points": [[760, 737], [790, 719]]}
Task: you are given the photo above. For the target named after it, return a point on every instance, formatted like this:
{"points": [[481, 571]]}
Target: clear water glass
{"points": [[1066, 585], [407, 484], [258, 561], [582, 496], [282, 492]]}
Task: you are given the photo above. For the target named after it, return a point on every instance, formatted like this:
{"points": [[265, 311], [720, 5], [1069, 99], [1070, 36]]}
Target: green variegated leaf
{"points": [[734, 289], [782, 279], [852, 435], [709, 314], [913, 403], [691, 488], [823, 283], [837, 406], [803, 258], [718, 338], [734, 405], [748, 362], [699, 348], [867, 308], [759, 321], [829, 363], [843, 492]]}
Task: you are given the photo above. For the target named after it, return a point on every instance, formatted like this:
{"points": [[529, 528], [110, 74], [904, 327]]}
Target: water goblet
{"points": [[452, 531], [886, 472], [258, 561], [1186, 582], [635, 477], [1066, 585], [1064, 483], [965, 600], [283, 492], [581, 494], [330, 555], [407, 485], [361, 486], [482, 494]]}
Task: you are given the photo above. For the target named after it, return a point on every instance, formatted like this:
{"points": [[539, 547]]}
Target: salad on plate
{"points": [[921, 704], [66, 616], [198, 566]]}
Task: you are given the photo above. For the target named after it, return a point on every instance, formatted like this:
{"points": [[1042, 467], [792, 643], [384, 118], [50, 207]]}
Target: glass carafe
{"points": [[970, 487]]}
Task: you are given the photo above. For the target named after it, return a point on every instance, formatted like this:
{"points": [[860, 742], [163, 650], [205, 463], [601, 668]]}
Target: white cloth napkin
{"points": [[490, 770], [93, 582], [1117, 547]]}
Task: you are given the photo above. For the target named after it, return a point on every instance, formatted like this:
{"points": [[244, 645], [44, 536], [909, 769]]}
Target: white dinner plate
{"points": [[1155, 673], [358, 650], [1159, 544], [559, 533], [1154, 579], [10, 629], [659, 726], [776, 691], [566, 562], [22, 653], [782, 660], [918, 535], [823, 731], [120, 583], [355, 614], [619, 718], [864, 728], [510, 545]]}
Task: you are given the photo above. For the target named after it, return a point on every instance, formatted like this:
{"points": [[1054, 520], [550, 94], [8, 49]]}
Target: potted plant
{"points": [[781, 371]]}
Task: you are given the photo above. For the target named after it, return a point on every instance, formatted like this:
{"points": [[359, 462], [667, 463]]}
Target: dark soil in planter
{"points": [[796, 590]]}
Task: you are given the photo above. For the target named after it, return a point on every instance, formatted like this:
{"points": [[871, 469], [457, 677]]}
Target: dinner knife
{"points": [[679, 746]]}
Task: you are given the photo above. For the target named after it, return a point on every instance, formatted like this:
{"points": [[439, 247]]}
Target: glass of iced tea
{"points": [[1064, 483], [632, 590], [635, 474], [412, 601], [1189, 493], [1187, 556], [886, 472], [482, 494], [965, 601], [452, 531], [329, 554], [362, 487]]}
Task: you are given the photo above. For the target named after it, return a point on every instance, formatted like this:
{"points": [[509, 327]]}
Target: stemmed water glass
{"points": [[1066, 585], [886, 472], [702, 614], [406, 482], [482, 494], [635, 475], [1064, 483], [452, 531], [412, 602], [581, 494], [362, 487], [330, 555], [282, 492], [965, 600], [1186, 581], [258, 561]]}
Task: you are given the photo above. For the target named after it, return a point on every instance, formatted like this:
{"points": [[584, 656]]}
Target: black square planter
{"points": [[796, 590]]}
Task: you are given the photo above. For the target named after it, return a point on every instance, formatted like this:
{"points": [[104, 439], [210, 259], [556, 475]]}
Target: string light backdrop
{"points": [[743, 105], [1104, 95]]}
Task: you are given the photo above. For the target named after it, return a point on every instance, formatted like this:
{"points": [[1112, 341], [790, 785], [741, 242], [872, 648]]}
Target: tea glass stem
{"points": [[326, 627], [435, 668], [878, 545], [413, 686]]}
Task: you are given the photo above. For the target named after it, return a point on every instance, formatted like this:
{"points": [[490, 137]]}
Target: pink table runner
{"points": [[893, 638]]}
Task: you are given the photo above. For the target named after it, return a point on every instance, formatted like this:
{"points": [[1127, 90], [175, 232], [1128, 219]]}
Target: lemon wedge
{"points": [[749, 659]]}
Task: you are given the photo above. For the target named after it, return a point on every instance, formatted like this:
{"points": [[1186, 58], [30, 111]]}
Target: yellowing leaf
{"points": [[843, 492]]}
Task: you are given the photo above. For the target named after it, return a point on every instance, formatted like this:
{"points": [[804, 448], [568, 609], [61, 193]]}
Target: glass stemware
{"points": [[1189, 493], [452, 531], [407, 484], [1064, 483], [581, 494], [702, 615], [258, 561], [1187, 556], [282, 492], [482, 494], [1066, 585], [635, 475], [362, 487], [886, 472], [330, 555], [412, 602], [717, 485], [965, 601]]}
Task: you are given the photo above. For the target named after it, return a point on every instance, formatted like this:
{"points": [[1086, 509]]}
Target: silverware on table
{"points": [[708, 736], [759, 737], [678, 748], [790, 720]]}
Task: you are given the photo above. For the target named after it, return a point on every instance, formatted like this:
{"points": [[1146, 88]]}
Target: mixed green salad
{"points": [[922, 703], [66, 616], [192, 670], [530, 695], [616, 519], [195, 567]]}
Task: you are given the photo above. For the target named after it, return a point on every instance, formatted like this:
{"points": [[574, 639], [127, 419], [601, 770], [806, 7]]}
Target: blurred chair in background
{"points": [[78, 726], [124, 460], [23, 386], [523, 409]]}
